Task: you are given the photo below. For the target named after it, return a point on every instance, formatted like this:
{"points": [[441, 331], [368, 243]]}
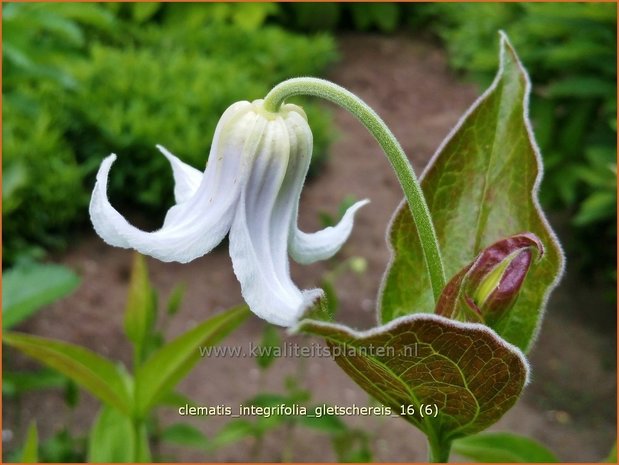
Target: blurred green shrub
{"points": [[83, 81], [570, 52], [42, 188], [383, 17]]}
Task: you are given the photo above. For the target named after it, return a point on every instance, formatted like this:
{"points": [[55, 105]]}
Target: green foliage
{"points": [[30, 287], [141, 308], [98, 375], [481, 188], [39, 37], [85, 80], [113, 438], [270, 342], [30, 453], [165, 368], [63, 447], [570, 50], [612, 455], [42, 193], [503, 448], [383, 17], [121, 430], [14, 383]]}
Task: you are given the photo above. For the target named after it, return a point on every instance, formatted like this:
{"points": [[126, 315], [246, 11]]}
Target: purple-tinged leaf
{"points": [[464, 370]]}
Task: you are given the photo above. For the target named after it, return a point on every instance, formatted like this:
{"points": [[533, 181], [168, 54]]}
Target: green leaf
{"points": [[502, 448], [185, 435], [233, 431], [612, 455], [14, 383], [481, 186], [96, 374], [176, 399], [464, 371], [176, 298], [30, 452], [330, 300], [352, 446], [330, 424], [270, 342], [599, 205], [140, 310], [112, 438], [143, 11], [168, 365], [29, 288]]}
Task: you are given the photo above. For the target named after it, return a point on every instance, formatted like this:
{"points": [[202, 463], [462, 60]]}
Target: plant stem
{"points": [[394, 152], [438, 451], [142, 446]]}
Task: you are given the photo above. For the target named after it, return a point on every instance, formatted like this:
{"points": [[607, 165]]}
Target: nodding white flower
{"points": [[250, 188]]}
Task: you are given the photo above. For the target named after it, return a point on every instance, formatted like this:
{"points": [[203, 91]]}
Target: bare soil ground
{"points": [[570, 404]]}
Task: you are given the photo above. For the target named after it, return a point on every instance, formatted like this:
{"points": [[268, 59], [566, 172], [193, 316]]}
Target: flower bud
{"points": [[485, 290]]}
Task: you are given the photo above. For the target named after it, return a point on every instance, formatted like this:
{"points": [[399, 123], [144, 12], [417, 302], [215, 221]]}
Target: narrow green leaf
{"points": [[612, 455], [176, 298], [29, 288], [30, 453], [140, 309], [502, 448], [14, 383], [176, 399], [186, 435], [481, 187], [112, 438], [330, 299], [233, 431], [168, 365], [96, 374], [270, 341], [467, 374]]}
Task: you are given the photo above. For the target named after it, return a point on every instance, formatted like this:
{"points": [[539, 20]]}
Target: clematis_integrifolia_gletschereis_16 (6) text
{"points": [[250, 189]]}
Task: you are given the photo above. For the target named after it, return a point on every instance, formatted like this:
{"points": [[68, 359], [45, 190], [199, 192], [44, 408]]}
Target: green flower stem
{"points": [[403, 169]]}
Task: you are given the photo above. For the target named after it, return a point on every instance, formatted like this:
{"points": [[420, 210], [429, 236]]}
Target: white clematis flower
{"points": [[250, 188]]}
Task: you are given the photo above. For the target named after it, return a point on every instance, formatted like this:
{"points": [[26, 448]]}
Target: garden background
{"points": [[83, 80]]}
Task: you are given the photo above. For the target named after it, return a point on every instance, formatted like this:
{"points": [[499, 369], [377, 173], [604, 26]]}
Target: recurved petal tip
{"points": [[309, 248]]}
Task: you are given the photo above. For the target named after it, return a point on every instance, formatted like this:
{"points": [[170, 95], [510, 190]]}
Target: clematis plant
{"points": [[460, 346]]}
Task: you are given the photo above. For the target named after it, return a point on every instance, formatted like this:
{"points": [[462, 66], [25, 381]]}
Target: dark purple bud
{"points": [[485, 290]]}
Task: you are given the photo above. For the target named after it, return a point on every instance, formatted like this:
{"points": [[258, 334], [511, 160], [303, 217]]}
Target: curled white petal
{"points": [[309, 248], [186, 178], [187, 232], [196, 225]]}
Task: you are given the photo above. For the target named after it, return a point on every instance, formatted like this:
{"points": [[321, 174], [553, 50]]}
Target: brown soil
{"points": [[570, 404]]}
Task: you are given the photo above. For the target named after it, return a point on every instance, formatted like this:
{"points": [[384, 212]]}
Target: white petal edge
{"points": [[194, 227], [306, 248], [186, 178], [189, 231]]}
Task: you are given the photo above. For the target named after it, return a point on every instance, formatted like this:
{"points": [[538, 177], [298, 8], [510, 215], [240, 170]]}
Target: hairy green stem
{"points": [[403, 169]]}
